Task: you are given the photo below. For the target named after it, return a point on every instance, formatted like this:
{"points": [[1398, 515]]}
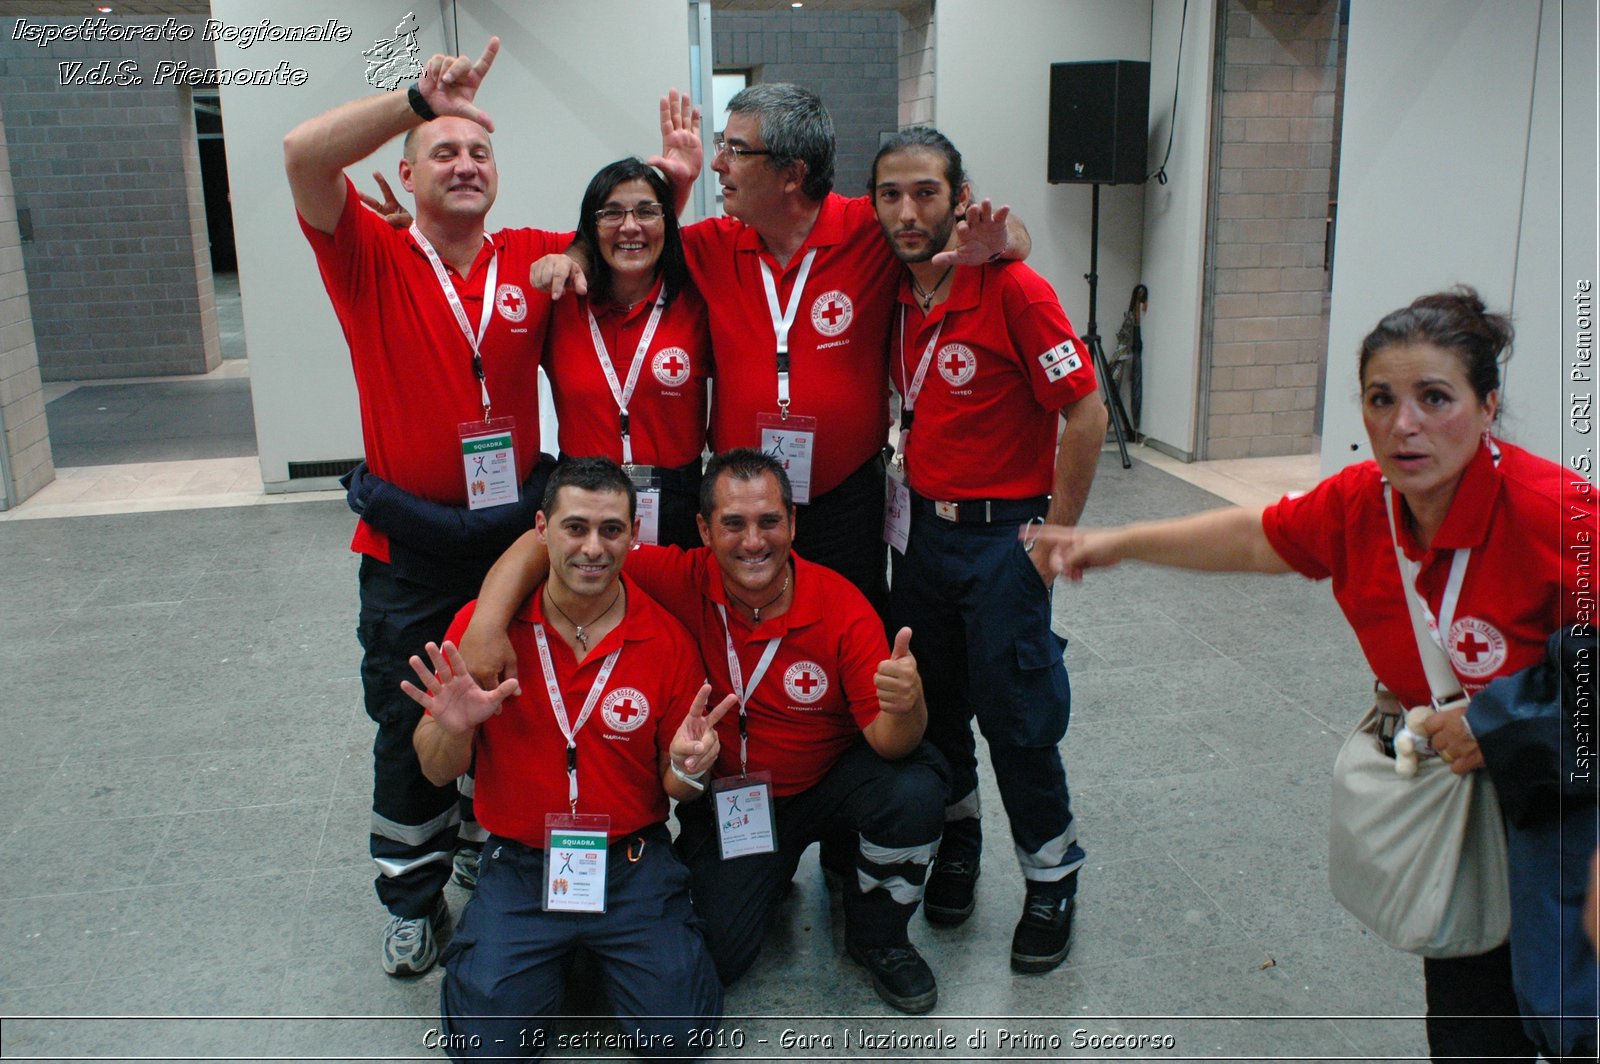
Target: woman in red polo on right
{"points": [[1480, 522]]}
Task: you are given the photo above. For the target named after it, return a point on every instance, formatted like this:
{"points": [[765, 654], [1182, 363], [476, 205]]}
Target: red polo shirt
{"points": [[837, 344], [521, 753], [1511, 595], [1005, 362], [819, 691], [413, 365], [667, 412]]}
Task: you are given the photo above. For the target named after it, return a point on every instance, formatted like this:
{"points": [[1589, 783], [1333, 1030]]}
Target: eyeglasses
{"points": [[734, 150], [643, 213]]}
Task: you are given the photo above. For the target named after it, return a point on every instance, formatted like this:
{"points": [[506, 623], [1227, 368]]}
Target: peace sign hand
{"points": [[695, 747]]}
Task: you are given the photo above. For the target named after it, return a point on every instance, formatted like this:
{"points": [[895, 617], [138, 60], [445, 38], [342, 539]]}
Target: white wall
{"points": [[992, 98], [569, 93], [1444, 180], [1175, 221]]}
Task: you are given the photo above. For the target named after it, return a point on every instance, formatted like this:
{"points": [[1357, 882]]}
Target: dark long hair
{"points": [[672, 267]]}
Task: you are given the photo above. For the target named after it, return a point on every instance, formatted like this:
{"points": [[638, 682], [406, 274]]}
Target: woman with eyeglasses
{"points": [[628, 362]]}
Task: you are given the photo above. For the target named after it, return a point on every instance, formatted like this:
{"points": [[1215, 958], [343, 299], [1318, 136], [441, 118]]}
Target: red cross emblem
{"points": [[625, 709], [805, 682], [510, 301], [957, 364], [831, 313], [671, 366], [1477, 649]]}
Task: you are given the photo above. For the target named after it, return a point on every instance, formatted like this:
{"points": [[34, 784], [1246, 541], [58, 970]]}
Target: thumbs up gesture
{"points": [[899, 685]]}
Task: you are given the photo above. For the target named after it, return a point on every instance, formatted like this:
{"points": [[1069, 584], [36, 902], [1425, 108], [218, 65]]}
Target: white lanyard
{"points": [[473, 339], [740, 691], [1440, 671], [908, 399], [558, 705], [623, 393], [783, 320]]}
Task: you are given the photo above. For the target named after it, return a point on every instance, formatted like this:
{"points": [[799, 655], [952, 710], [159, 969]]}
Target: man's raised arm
{"points": [[316, 151], [484, 644]]}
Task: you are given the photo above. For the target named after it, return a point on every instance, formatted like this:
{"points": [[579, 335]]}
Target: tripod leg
{"points": [[1113, 401]]}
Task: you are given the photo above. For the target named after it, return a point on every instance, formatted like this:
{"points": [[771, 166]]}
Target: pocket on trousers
{"points": [[1040, 698]]}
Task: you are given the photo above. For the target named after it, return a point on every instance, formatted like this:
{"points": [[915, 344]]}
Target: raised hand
{"points": [[450, 694], [981, 236], [449, 83], [898, 682], [695, 746], [388, 208], [682, 152]]}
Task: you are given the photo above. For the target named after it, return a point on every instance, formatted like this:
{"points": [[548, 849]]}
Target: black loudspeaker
{"points": [[1099, 120]]}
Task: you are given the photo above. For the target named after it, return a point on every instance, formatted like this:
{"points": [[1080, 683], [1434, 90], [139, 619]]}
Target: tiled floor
{"points": [[183, 808]]}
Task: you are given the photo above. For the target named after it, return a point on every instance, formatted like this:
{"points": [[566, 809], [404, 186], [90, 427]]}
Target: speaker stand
{"points": [[1120, 424]]}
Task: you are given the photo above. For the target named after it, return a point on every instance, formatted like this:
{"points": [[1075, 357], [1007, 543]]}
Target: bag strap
{"points": [[1442, 680]]}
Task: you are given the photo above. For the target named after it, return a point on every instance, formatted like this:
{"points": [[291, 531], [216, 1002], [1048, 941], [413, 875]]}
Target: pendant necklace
{"points": [[925, 295], [756, 610], [578, 632]]}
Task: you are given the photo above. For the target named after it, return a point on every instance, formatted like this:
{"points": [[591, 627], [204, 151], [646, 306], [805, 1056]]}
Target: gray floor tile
{"points": [[106, 788], [228, 843], [1105, 751], [1154, 643], [212, 923], [108, 424], [297, 772], [1269, 889], [59, 938], [52, 857], [1145, 907]]}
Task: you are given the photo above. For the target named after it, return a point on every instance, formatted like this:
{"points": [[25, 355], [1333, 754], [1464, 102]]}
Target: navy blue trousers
{"points": [[414, 824], [893, 809], [979, 615], [505, 967]]}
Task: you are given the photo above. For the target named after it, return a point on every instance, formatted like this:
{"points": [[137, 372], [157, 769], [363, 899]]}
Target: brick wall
{"points": [[26, 440], [119, 267], [916, 65], [1269, 327], [850, 58]]}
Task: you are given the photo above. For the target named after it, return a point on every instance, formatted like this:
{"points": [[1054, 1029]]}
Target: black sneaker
{"points": [[899, 975], [1043, 935], [949, 898]]}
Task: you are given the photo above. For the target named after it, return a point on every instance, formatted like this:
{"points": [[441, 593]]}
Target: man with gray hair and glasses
{"points": [[801, 289]]}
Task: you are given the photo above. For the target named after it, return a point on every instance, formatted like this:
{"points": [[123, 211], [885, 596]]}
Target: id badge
{"points": [[743, 806], [647, 493], [896, 509], [489, 459], [575, 862], [791, 442]]}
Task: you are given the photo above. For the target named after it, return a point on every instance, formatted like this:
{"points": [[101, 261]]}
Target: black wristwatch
{"points": [[419, 104]]}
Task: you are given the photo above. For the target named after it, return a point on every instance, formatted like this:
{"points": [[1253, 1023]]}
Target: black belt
{"points": [[684, 478], [983, 511]]}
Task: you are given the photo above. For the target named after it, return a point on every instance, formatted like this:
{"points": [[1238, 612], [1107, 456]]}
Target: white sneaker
{"points": [[411, 944]]}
